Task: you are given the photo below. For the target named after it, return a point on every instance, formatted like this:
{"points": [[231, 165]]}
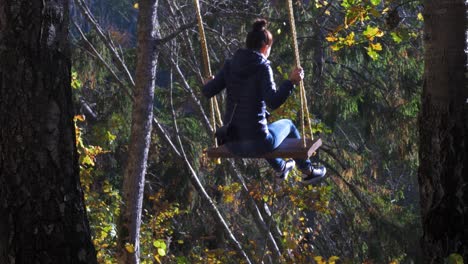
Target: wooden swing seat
{"points": [[290, 148]]}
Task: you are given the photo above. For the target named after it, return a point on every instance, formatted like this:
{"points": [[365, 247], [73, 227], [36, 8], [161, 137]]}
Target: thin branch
{"points": [[107, 40], [101, 59], [187, 88], [166, 136], [174, 34]]}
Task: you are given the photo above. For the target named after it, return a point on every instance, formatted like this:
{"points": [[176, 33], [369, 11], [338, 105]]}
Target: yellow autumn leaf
{"points": [[376, 46], [333, 259], [319, 260], [380, 34], [331, 38], [135, 5], [420, 17], [229, 198], [80, 118], [349, 40], [130, 248]]}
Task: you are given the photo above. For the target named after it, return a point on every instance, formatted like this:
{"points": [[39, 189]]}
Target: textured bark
{"points": [[42, 214], [443, 125], [142, 117]]}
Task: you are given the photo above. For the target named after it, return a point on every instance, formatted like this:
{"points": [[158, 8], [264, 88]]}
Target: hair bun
{"points": [[259, 25]]}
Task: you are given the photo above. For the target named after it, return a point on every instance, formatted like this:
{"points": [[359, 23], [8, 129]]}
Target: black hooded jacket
{"points": [[249, 83]]}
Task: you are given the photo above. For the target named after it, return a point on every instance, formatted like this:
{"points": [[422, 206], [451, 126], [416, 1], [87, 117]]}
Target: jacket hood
{"points": [[245, 62]]}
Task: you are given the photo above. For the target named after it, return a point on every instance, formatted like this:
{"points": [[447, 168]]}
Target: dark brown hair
{"points": [[259, 35]]}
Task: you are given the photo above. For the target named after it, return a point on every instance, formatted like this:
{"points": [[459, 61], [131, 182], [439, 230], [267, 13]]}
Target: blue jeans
{"points": [[279, 130]]}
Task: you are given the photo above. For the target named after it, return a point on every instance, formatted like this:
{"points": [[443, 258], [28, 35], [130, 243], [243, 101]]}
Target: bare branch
{"points": [[101, 59], [187, 87], [107, 40]]}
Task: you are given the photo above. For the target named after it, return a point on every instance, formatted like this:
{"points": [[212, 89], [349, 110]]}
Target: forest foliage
{"points": [[362, 60]]}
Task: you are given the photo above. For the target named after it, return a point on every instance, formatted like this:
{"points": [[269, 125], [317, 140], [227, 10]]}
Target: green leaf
{"points": [[88, 161], [160, 244], [161, 252], [375, 2], [372, 53], [111, 137], [372, 32], [396, 37], [420, 17], [455, 258]]}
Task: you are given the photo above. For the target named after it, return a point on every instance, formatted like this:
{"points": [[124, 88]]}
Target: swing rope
{"points": [[304, 107], [207, 70]]}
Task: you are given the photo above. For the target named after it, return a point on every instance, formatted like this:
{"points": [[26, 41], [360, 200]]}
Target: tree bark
{"points": [[443, 126], [142, 116], [42, 213]]}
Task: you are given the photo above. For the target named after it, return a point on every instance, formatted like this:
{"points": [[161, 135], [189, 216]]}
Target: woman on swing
{"points": [[250, 87]]}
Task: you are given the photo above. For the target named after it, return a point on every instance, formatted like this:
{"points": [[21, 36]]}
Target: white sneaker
{"points": [[314, 174], [283, 175]]}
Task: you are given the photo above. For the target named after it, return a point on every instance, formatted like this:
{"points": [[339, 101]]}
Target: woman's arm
{"points": [[215, 85], [273, 97]]}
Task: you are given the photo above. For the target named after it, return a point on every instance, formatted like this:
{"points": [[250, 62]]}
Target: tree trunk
{"points": [[42, 214], [443, 125], [142, 115]]}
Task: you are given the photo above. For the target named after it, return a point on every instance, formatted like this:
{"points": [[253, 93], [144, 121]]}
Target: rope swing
{"points": [[207, 70], [304, 107]]}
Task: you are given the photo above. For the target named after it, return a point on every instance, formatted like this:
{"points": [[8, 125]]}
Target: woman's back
{"points": [[242, 85]]}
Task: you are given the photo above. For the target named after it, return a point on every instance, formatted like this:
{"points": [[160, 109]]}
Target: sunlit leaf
{"points": [[319, 260], [420, 17], [349, 40], [88, 161], [111, 137], [371, 32], [376, 46], [333, 259], [161, 252], [130, 248], [396, 37], [331, 38], [375, 2], [80, 118], [135, 5], [374, 55]]}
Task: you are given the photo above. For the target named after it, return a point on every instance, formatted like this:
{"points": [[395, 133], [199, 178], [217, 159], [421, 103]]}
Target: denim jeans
{"points": [[279, 130]]}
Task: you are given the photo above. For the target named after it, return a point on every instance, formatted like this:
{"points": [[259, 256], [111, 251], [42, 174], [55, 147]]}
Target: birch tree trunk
{"points": [[443, 126], [42, 214], [142, 116]]}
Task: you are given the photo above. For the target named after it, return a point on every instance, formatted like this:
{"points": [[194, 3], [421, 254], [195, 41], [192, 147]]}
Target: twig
{"points": [[107, 40], [101, 59]]}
